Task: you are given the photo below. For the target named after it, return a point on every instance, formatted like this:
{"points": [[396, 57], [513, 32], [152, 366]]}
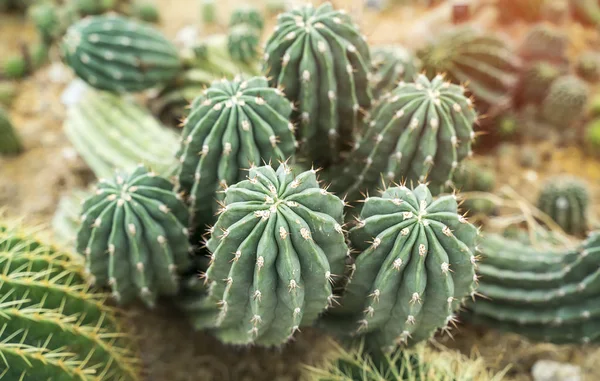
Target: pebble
{"points": [[547, 370]]}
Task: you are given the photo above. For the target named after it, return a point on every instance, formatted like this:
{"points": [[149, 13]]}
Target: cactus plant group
{"points": [[566, 200]]}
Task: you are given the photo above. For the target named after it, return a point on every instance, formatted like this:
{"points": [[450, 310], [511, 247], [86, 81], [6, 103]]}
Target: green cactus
{"points": [[586, 11], [15, 67], [118, 54], [545, 42], [247, 15], [146, 11], [326, 78], [10, 143], [52, 326], [8, 92], [46, 19], [592, 137], [232, 126], [134, 237], [566, 200], [588, 66], [565, 102], [243, 43], [275, 7], [536, 81], [276, 247], [208, 11], [111, 132], [415, 265], [419, 131], [484, 62], [543, 294], [472, 176], [391, 64]]}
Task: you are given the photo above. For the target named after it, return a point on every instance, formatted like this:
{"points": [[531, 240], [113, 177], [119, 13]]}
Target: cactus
{"points": [[276, 247], [474, 177], [482, 61], [117, 54], [391, 64], [208, 11], [586, 11], [53, 326], [10, 143], [415, 265], [111, 132], [545, 42], [543, 294], [242, 43], [249, 16], [588, 66], [536, 81], [326, 78], [565, 103], [14, 67], [46, 19], [275, 7], [592, 137], [146, 11], [419, 131], [134, 237], [8, 92], [232, 126], [566, 200]]}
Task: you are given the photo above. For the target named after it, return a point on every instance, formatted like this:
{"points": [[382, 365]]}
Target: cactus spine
{"points": [[276, 248], [134, 237], [412, 128], [232, 126], [565, 103], [391, 64], [117, 54], [52, 327], [566, 200], [10, 143], [326, 77]]}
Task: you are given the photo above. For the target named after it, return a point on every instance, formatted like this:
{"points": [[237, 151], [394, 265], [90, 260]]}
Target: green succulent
{"points": [[391, 65], [566, 200], [10, 142]]}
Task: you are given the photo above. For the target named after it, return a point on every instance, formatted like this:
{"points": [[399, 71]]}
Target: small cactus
{"points": [[249, 16], [545, 42], [536, 81], [45, 17], [419, 132], [588, 66], [118, 54], [146, 11], [391, 64], [133, 235], [471, 176], [566, 201], [208, 11], [276, 248], [326, 77], [15, 67], [232, 126], [592, 137], [243, 43], [10, 143], [565, 102]]}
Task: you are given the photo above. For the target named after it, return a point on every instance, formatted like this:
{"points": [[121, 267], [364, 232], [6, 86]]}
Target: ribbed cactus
{"points": [[391, 64], [587, 11], [52, 326], [416, 263], [566, 200], [247, 15], [420, 131], [111, 132], [588, 66], [232, 126], [535, 82], [543, 294], [276, 248], [483, 62], [243, 43], [134, 237], [326, 77], [10, 143], [118, 54], [565, 102], [545, 42]]}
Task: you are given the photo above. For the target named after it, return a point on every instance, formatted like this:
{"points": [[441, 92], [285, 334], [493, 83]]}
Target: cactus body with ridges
{"points": [[391, 64], [10, 143], [232, 126], [566, 200], [326, 77], [242, 43], [565, 102], [276, 248], [419, 131], [118, 54], [134, 237]]}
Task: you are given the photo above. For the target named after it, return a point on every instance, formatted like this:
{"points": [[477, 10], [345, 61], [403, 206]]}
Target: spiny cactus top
{"points": [[51, 326], [249, 16], [419, 131], [566, 200], [276, 248], [565, 102], [118, 54], [320, 60], [10, 143], [391, 64], [134, 237], [232, 126], [416, 264]]}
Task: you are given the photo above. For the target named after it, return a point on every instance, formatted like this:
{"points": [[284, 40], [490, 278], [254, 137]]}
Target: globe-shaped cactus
{"points": [[242, 43], [321, 61], [536, 81], [545, 42], [247, 15], [134, 237], [391, 64], [565, 102], [232, 126], [276, 248], [566, 200]]}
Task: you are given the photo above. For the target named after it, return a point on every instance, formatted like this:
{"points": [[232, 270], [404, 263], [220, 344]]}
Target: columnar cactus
{"points": [[276, 249], [326, 76], [543, 294], [545, 42], [249, 16], [53, 326], [118, 54], [420, 131], [416, 263], [134, 237], [391, 64], [232, 126], [242, 42], [484, 62], [566, 200], [565, 103], [10, 143], [111, 132]]}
